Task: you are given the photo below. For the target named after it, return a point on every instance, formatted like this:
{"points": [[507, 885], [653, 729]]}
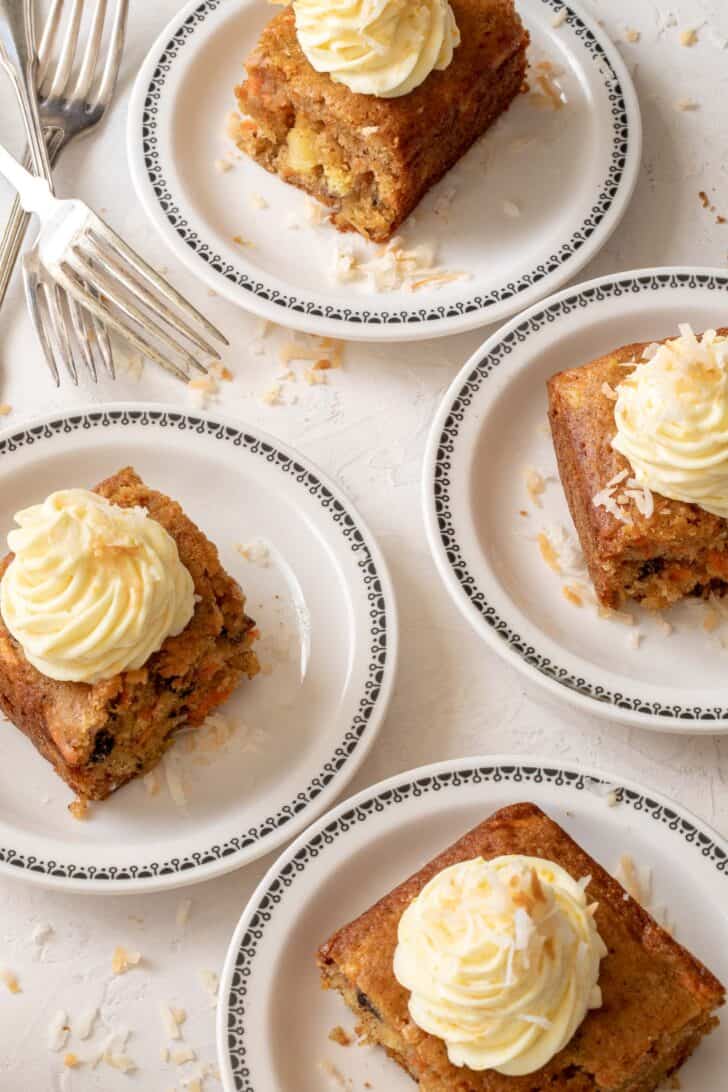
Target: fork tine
{"points": [[59, 329], [48, 38], [103, 344], [76, 287], [81, 322], [68, 51], [91, 53], [110, 241], [32, 295], [107, 259], [113, 57], [108, 291]]}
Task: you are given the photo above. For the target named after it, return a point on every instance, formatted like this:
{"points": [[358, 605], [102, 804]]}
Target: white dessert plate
{"points": [[489, 430], [321, 596], [273, 1018], [519, 216]]}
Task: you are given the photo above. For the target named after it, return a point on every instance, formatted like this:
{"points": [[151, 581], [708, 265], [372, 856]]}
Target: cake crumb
{"points": [[219, 371], [122, 960], [340, 1036], [572, 595], [616, 615], [535, 485], [612, 798], [222, 166], [152, 783], [711, 620], [686, 104], [559, 19], [335, 1075], [634, 639], [258, 201], [688, 37], [71, 1060], [10, 981], [548, 553], [256, 553], [627, 875], [240, 240], [314, 377], [272, 395], [5, 409], [631, 35], [666, 627], [79, 809]]}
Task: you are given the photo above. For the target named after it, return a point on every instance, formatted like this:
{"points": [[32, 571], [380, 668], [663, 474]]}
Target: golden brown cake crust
{"points": [[408, 143], [657, 997], [582, 426], [97, 737]]}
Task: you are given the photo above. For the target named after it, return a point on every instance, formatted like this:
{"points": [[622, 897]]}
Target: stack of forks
{"points": [[81, 280]]}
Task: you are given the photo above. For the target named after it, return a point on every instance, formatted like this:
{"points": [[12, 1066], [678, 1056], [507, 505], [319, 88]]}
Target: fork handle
{"points": [[35, 193], [19, 59], [17, 224]]}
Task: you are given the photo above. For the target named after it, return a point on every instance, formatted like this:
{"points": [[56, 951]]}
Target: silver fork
{"points": [[77, 251], [72, 99]]}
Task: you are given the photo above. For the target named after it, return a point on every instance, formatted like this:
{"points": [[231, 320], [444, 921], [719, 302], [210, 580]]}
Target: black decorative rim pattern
{"points": [[479, 375], [620, 144], [379, 653], [519, 774]]}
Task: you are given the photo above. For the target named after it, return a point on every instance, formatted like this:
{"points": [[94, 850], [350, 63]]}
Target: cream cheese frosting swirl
{"points": [[671, 415], [377, 47], [501, 959], [93, 589]]}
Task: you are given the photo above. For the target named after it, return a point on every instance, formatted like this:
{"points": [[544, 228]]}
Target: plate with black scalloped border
{"points": [[274, 1021], [282, 748], [501, 534], [506, 226]]}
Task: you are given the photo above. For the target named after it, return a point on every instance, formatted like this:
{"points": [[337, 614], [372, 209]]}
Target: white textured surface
{"points": [[367, 428]]}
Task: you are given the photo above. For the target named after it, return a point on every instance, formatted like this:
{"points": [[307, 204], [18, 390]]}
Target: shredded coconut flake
{"points": [[394, 268], [183, 913], [58, 1031], [83, 1026], [120, 1061], [122, 960], [182, 1055]]}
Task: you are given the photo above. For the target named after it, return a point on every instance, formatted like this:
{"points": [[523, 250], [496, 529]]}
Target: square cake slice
{"points": [[100, 736], [372, 159], [658, 1000], [637, 546]]}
